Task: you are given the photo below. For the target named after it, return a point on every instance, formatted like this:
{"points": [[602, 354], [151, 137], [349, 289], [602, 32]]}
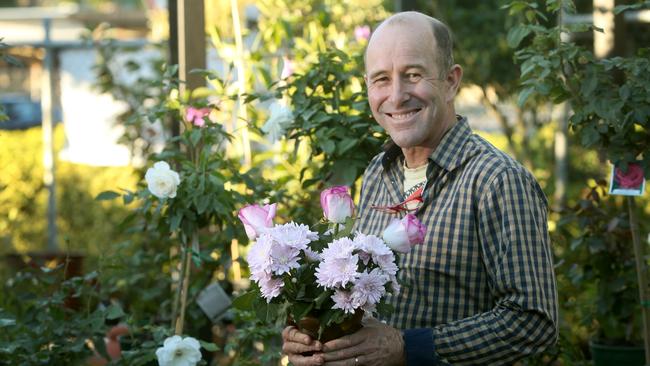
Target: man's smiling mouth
{"points": [[403, 115]]}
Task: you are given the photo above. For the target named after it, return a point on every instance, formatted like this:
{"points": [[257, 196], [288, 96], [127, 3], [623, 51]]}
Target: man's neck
{"points": [[416, 156]]}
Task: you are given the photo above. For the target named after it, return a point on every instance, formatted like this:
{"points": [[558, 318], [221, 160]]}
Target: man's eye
{"points": [[380, 80], [413, 76]]}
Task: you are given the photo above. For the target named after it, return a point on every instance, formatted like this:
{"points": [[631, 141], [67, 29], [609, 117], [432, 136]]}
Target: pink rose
{"points": [[402, 234], [362, 33], [257, 218], [337, 204], [288, 67], [633, 178], [196, 116]]}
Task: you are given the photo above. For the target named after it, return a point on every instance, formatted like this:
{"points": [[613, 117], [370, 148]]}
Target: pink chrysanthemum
{"points": [[372, 247], [284, 258], [270, 287], [294, 235], [343, 300], [338, 266], [259, 257], [369, 288]]}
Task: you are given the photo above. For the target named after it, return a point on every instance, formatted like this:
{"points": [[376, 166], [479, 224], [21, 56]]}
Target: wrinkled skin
{"points": [[374, 344]]}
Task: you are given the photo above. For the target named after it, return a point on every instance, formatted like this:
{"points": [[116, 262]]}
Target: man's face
{"points": [[406, 95]]}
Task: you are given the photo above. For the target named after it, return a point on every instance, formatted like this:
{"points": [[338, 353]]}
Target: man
{"points": [[481, 289]]}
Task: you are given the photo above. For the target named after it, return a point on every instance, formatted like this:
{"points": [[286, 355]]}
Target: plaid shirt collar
{"points": [[449, 154]]}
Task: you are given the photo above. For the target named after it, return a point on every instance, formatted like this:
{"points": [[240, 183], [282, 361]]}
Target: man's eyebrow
{"points": [[415, 66], [375, 74], [405, 67]]}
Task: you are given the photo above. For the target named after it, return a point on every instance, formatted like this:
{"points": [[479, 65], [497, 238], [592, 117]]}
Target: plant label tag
{"points": [[214, 301], [630, 182]]}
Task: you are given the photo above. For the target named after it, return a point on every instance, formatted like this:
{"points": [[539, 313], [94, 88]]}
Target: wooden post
{"points": [[191, 42], [642, 275], [47, 113]]}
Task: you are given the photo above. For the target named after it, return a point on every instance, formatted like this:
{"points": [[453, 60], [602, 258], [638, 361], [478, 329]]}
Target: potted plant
{"points": [[598, 261], [609, 99]]}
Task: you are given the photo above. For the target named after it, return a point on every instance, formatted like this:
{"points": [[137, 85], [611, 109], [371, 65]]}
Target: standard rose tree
{"points": [[162, 181]]}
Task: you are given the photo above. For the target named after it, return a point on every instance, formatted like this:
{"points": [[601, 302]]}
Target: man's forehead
{"points": [[400, 50]]}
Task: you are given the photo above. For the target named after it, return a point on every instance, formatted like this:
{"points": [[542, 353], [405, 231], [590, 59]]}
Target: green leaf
{"points": [[195, 136], [245, 301], [114, 312], [209, 346], [107, 195], [517, 34], [7, 322], [175, 221], [328, 146], [300, 309], [524, 95]]}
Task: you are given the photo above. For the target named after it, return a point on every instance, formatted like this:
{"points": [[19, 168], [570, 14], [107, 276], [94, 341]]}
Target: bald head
{"points": [[441, 35]]}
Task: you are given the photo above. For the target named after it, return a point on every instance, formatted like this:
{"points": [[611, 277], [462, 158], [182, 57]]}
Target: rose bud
{"points": [[337, 204], [257, 218], [402, 234]]}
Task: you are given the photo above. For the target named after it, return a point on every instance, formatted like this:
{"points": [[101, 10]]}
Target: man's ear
{"points": [[453, 80]]}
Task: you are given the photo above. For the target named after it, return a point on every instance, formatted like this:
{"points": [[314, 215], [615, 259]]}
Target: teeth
{"points": [[402, 115]]}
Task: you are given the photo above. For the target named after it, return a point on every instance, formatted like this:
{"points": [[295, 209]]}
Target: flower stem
{"points": [[183, 286]]}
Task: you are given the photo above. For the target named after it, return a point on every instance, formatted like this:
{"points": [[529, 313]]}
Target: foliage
{"points": [[38, 325], [610, 96], [598, 258], [255, 342], [332, 115]]}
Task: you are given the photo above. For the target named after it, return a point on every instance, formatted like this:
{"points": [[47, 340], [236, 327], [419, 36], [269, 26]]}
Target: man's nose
{"points": [[399, 91]]}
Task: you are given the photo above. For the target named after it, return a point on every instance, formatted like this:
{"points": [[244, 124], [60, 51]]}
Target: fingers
{"points": [[292, 334], [344, 342], [344, 355], [298, 360], [294, 348], [296, 343]]}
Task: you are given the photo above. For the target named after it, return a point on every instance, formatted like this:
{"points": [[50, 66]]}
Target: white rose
{"points": [[177, 351], [276, 126], [161, 180]]}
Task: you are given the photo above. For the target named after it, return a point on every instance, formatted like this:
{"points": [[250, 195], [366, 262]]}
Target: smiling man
{"points": [[481, 290]]}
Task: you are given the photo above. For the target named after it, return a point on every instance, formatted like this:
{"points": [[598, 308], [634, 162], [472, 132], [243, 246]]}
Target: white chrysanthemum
{"points": [[297, 236], [162, 181], [368, 288], [178, 351], [338, 266], [343, 300]]}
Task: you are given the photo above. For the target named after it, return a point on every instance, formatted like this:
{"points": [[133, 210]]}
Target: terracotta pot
{"points": [[310, 324]]}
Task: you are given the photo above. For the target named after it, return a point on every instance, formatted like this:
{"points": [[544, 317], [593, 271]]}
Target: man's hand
{"points": [[374, 344], [295, 342]]}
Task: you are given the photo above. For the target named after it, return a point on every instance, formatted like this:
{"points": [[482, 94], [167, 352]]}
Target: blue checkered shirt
{"points": [[481, 289]]}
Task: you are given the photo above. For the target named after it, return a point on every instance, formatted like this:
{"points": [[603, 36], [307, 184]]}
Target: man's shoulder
{"points": [[375, 165], [493, 165]]}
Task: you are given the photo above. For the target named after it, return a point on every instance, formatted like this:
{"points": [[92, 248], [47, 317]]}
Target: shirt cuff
{"points": [[419, 347]]}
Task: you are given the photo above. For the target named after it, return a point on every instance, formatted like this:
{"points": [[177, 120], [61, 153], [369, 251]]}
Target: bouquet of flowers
{"points": [[323, 278]]}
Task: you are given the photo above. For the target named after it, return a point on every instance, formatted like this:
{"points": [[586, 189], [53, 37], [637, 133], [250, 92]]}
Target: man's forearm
{"points": [[500, 336]]}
